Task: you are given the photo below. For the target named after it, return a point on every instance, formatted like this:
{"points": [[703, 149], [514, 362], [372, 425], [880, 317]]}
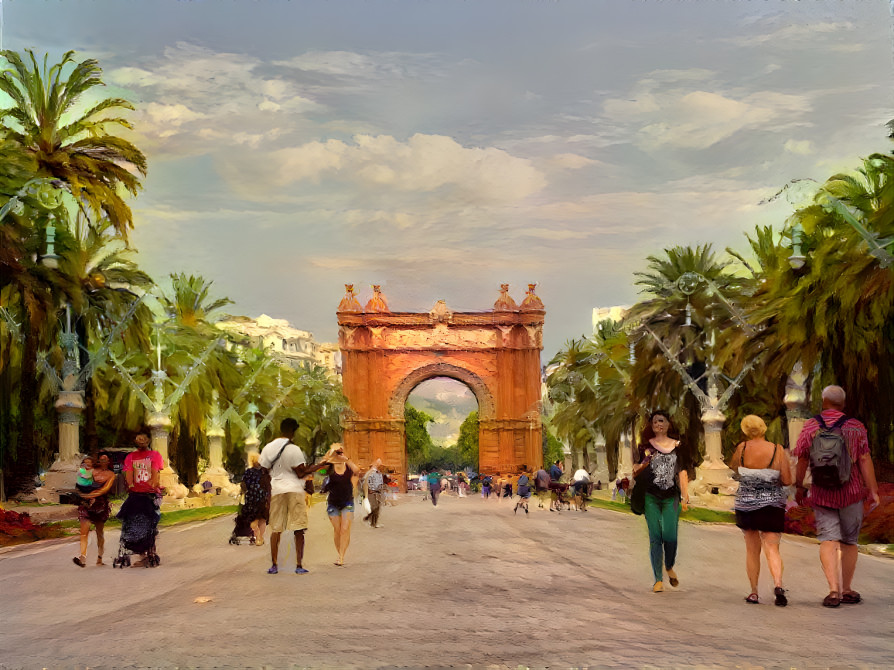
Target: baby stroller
{"points": [[242, 527], [139, 526]]}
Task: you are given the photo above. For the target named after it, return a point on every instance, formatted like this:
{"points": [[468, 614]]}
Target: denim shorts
{"points": [[347, 510]]}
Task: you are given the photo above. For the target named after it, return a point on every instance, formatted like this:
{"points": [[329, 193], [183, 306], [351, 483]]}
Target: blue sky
{"points": [[441, 148]]}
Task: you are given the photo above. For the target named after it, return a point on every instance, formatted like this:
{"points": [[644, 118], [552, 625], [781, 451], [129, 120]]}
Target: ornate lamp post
{"points": [[69, 389], [713, 477], [158, 409]]}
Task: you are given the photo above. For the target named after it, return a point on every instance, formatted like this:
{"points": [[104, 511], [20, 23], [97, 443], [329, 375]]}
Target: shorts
{"points": [[766, 519], [288, 511], [839, 525], [346, 510]]}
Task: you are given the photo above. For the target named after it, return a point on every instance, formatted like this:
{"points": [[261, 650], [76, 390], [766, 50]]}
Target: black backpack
{"points": [[830, 459]]}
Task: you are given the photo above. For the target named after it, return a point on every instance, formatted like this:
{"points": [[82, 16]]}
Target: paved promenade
{"points": [[467, 584]]}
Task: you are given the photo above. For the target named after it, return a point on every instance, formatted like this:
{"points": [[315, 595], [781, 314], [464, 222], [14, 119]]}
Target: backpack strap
{"points": [[841, 421], [273, 462], [819, 420]]}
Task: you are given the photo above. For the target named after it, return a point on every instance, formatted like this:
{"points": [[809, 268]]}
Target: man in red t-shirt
{"points": [[839, 512], [142, 467]]}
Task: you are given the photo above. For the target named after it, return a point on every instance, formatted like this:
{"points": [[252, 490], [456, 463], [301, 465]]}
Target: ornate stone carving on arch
{"points": [[486, 410]]}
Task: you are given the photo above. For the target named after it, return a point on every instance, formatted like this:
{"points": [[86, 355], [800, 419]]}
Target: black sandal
{"points": [[752, 599], [781, 600]]}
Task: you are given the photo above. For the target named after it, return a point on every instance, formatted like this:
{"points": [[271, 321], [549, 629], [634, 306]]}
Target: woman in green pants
{"points": [[668, 484]]}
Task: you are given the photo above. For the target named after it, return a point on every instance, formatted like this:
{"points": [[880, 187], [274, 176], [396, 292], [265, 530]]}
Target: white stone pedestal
{"points": [[63, 474], [215, 472], [160, 425], [714, 485]]}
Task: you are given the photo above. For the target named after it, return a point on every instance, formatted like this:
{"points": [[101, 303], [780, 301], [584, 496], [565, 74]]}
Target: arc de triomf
{"points": [[496, 353]]}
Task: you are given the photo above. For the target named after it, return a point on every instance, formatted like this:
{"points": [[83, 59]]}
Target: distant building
{"points": [[613, 313], [290, 346]]}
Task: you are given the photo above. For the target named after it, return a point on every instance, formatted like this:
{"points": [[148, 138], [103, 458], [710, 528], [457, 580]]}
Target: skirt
{"points": [[766, 519]]}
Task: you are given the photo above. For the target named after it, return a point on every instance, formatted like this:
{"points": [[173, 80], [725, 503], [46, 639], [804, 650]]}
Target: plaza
{"points": [[468, 584]]}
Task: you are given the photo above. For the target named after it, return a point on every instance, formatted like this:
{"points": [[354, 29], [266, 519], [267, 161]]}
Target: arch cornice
{"points": [[486, 409]]}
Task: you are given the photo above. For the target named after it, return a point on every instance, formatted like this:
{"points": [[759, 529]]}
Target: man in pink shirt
{"points": [[142, 467], [838, 511], [142, 470]]}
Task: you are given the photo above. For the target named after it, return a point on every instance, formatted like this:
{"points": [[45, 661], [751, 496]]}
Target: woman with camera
{"points": [[342, 476]]}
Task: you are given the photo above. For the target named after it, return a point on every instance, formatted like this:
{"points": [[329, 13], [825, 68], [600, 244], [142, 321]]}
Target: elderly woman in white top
{"points": [[760, 503]]}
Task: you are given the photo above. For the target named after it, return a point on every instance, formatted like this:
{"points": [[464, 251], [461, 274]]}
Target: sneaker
{"points": [[301, 571], [273, 570]]}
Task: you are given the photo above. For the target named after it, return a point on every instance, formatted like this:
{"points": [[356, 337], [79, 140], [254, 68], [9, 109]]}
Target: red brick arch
{"points": [[496, 353]]}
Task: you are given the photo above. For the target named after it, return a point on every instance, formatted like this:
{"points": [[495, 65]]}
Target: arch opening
{"points": [[441, 427]]}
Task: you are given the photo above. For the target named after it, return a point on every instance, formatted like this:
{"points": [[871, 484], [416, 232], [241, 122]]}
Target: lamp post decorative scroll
{"points": [[159, 406]]}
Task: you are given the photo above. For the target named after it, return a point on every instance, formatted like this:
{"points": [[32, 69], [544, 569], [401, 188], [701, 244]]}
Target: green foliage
{"points": [[467, 443], [552, 448], [419, 443]]}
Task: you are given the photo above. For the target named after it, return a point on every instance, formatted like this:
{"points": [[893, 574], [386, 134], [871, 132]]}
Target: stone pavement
{"points": [[466, 585]]}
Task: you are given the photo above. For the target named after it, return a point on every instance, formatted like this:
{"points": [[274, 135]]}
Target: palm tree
{"points": [[88, 161], [837, 315], [103, 281], [693, 309], [81, 153]]}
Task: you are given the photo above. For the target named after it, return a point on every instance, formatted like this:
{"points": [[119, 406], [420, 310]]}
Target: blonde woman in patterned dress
{"points": [[760, 503]]}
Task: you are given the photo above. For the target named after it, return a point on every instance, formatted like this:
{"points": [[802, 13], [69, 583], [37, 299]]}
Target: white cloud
{"points": [[422, 164], [802, 147], [222, 95], [795, 35], [698, 119], [570, 161]]}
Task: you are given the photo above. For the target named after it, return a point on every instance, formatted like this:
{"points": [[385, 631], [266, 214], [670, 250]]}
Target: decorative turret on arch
{"points": [[496, 353]]}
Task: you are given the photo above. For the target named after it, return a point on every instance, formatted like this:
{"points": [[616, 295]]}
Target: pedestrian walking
{"points": [[541, 486], [288, 505], [374, 491], [343, 475], [486, 483], [434, 486], [667, 481], [523, 488], [763, 470], [93, 508], [141, 510], [256, 508], [836, 448]]}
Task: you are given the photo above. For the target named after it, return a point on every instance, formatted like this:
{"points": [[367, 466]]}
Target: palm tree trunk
{"points": [[26, 452], [91, 438]]}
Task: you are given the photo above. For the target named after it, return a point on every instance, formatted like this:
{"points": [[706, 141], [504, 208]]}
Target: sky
{"points": [[440, 148]]}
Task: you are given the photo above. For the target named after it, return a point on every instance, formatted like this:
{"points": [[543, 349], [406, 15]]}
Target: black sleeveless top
{"points": [[341, 490]]}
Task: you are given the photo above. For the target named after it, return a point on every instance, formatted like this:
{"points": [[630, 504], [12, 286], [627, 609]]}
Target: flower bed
{"points": [[18, 528]]}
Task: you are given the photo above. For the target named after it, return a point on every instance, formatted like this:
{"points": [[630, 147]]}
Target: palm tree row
{"points": [[86, 275], [750, 317]]}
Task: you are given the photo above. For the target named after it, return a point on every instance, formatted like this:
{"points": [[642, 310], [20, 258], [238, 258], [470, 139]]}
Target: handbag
{"points": [[366, 506], [637, 496]]}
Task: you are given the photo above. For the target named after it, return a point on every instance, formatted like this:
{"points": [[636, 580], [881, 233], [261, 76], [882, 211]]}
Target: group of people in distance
{"points": [[763, 471]]}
